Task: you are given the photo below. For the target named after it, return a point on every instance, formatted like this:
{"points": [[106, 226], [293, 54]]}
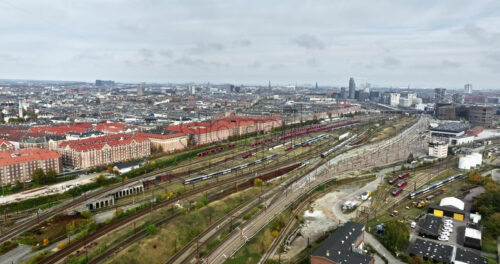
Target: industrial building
{"points": [[481, 115], [449, 207], [444, 253], [470, 161], [345, 246], [445, 111], [472, 236], [438, 149], [450, 130], [431, 226]]}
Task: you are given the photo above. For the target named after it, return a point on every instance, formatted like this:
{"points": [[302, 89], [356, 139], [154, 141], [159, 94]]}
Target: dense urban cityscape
{"points": [[135, 166]]}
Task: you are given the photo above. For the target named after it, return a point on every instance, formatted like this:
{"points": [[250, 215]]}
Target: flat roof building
{"points": [[19, 165]]}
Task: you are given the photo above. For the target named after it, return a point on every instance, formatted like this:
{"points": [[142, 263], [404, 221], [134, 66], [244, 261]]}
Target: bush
{"points": [[396, 236], [151, 229], [87, 214]]}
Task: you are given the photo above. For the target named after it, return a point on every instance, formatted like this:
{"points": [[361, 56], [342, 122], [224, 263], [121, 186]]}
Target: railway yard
{"points": [[208, 207]]}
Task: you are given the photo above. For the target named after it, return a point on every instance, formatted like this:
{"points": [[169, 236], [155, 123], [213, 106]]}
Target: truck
{"points": [[365, 195]]}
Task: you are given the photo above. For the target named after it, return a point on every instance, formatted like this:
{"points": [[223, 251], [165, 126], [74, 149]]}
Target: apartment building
{"points": [[19, 165], [98, 151]]}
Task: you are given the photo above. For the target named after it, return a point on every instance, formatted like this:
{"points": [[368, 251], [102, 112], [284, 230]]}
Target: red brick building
{"points": [[92, 152], [20, 164]]}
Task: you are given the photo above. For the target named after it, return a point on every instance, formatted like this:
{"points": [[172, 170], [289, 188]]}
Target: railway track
{"points": [[317, 149]]}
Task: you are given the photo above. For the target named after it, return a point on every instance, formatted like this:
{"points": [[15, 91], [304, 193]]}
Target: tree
{"points": [[410, 158], [151, 229], [493, 225], [416, 260], [38, 176], [51, 176], [257, 182], [396, 236]]}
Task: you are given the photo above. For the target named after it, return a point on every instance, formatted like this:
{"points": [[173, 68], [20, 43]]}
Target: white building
{"points": [[438, 149], [470, 161], [468, 88], [394, 99]]}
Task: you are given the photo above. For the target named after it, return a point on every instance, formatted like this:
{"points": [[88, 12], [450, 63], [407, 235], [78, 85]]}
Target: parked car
{"points": [[413, 224], [444, 233], [447, 229], [443, 238], [448, 221]]}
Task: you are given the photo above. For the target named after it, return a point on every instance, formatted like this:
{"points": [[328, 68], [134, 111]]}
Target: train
{"points": [[397, 192], [402, 184], [222, 172], [404, 175], [394, 180], [318, 128], [214, 150], [258, 142], [434, 186], [338, 146]]}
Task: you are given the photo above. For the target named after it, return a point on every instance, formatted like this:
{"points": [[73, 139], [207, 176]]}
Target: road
{"points": [[369, 238]]}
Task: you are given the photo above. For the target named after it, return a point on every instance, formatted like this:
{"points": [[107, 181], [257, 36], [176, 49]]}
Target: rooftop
{"points": [[98, 143], [429, 249], [451, 127], [26, 155], [431, 226], [467, 256]]}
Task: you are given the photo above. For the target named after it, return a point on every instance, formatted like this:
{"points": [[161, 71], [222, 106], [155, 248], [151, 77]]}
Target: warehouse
{"points": [[450, 207], [431, 226], [444, 253], [472, 236]]}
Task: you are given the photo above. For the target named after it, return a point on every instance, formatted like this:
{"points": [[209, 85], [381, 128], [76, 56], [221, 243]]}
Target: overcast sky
{"points": [[444, 43]]}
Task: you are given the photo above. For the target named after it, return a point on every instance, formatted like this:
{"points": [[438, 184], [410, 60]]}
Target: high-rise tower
{"points": [[468, 88], [352, 89]]}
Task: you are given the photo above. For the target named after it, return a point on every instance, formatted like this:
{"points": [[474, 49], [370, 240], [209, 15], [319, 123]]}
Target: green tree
{"points": [[410, 158], [396, 236], [151, 229], [51, 176], [38, 176], [493, 225]]}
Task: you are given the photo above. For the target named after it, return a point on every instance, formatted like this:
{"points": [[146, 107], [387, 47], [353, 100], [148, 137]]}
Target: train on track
{"points": [[338, 146], [434, 186], [226, 171], [258, 142], [206, 152], [318, 128]]}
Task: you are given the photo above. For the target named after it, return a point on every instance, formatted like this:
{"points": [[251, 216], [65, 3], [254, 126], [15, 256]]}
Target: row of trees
{"points": [[39, 176]]}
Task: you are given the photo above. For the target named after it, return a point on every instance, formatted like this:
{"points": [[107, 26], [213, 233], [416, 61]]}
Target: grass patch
{"points": [[7, 246], [173, 236], [489, 245]]}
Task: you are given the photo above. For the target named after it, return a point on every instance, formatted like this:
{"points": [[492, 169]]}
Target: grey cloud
{"points": [[480, 34], [450, 64], [391, 62], [202, 48], [242, 43], [309, 42], [313, 62], [166, 53], [255, 64], [195, 62]]}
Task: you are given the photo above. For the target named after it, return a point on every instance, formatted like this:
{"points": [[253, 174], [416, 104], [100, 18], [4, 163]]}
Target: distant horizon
{"points": [[389, 43], [244, 84]]}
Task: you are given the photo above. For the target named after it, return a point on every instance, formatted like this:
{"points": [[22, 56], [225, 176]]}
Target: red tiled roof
{"points": [[62, 129], [158, 136], [99, 142], [110, 127], [2, 141], [222, 124], [26, 155]]}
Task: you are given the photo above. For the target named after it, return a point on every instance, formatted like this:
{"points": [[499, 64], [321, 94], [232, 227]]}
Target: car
{"points": [[444, 233], [448, 225], [448, 229], [443, 238], [448, 221], [413, 224]]}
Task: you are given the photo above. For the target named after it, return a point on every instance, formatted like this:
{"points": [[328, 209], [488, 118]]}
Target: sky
{"points": [[420, 43]]}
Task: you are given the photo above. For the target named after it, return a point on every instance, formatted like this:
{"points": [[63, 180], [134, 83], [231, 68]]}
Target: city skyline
{"points": [[446, 44]]}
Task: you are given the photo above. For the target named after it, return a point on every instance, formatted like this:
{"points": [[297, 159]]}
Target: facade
{"points": [[449, 207], [472, 236], [438, 149], [6, 145], [202, 133], [445, 111], [343, 93], [458, 98], [345, 246], [167, 143], [92, 152], [19, 165], [439, 95], [481, 115], [140, 90], [352, 89], [468, 88]]}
